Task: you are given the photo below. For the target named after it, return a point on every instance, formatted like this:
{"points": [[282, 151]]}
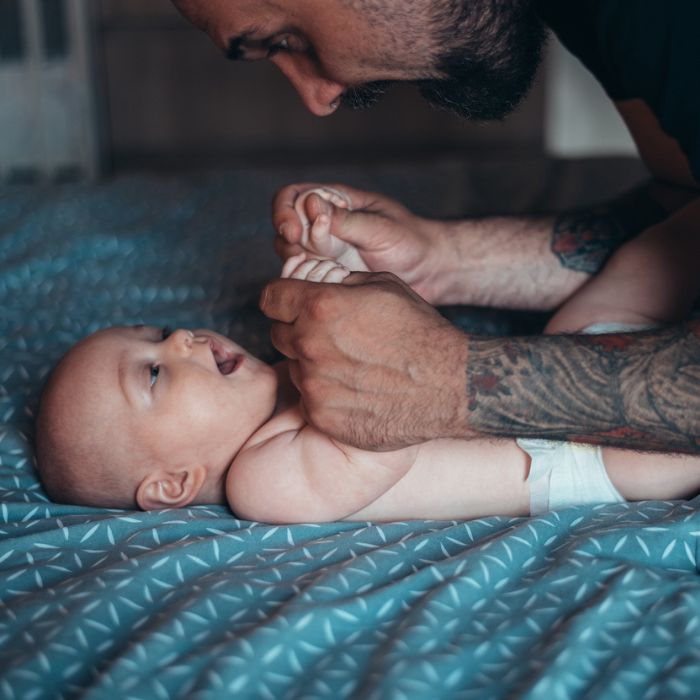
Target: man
{"points": [[376, 365]]}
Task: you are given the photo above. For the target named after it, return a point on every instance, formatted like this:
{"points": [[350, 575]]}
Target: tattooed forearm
{"points": [[583, 240], [635, 390]]}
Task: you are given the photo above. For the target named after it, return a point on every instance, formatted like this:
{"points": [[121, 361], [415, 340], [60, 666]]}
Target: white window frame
{"points": [[48, 116]]}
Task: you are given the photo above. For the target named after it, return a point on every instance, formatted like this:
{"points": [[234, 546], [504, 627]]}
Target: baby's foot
{"points": [[302, 267], [316, 214]]}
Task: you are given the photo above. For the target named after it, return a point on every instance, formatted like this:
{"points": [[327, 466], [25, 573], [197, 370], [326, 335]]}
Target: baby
{"points": [[149, 418]]}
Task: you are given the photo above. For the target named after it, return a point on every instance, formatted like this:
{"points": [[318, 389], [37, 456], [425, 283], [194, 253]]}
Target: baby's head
{"points": [[142, 417]]}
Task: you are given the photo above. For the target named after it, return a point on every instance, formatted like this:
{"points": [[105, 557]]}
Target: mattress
{"points": [[586, 602]]}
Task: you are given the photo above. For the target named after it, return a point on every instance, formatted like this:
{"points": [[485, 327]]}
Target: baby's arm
{"points": [[291, 472], [301, 475], [652, 279]]}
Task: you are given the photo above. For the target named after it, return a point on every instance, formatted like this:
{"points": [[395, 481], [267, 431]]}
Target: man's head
{"points": [[139, 416], [476, 58]]}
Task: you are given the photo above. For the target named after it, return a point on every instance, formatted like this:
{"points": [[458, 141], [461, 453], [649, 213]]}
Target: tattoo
{"points": [[583, 240], [639, 391]]}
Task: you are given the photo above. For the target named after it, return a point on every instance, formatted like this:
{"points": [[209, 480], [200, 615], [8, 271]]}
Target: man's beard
{"points": [[483, 84]]}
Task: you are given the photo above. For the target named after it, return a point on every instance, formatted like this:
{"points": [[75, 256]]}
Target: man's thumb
{"points": [[353, 227]]}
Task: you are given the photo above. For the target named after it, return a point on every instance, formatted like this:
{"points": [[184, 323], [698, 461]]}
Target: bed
{"points": [[587, 602]]}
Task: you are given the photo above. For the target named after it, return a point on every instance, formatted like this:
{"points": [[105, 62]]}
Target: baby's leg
{"points": [[652, 279], [652, 476], [564, 474], [315, 210]]}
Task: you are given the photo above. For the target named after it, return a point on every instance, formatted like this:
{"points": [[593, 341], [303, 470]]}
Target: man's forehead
{"points": [[199, 12], [192, 8], [242, 15]]}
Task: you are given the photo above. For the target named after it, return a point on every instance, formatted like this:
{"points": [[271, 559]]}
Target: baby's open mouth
{"points": [[227, 361]]}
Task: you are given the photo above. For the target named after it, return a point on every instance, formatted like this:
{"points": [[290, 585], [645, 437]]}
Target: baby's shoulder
{"points": [[289, 420]]}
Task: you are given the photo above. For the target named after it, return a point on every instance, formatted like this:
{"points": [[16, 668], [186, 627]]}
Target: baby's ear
{"points": [[170, 489]]}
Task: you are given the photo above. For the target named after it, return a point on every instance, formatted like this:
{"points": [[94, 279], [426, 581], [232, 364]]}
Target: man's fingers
{"points": [[357, 278], [294, 373], [286, 220], [353, 227], [282, 337], [358, 199], [282, 300], [286, 250]]}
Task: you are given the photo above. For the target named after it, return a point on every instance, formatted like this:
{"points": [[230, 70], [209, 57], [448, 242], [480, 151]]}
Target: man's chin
{"points": [[472, 105], [366, 95], [467, 103]]}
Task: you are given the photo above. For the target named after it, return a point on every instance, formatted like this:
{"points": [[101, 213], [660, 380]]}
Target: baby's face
{"points": [[184, 398]]}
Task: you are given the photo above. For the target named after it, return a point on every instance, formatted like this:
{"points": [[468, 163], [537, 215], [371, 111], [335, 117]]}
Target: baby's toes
{"points": [[291, 264], [336, 275], [305, 270], [320, 270]]}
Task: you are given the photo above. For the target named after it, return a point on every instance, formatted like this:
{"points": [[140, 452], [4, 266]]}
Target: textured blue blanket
{"points": [[589, 602]]}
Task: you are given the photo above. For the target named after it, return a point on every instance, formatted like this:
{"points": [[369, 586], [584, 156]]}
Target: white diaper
{"points": [[568, 474]]}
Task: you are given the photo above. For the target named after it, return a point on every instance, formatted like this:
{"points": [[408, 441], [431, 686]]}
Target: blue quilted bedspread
{"points": [[588, 602]]}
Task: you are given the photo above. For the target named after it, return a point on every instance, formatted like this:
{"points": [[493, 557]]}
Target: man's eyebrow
{"points": [[236, 49]]}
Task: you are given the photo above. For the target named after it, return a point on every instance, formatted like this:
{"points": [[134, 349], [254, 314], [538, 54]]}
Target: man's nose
{"points": [[320, 95]]}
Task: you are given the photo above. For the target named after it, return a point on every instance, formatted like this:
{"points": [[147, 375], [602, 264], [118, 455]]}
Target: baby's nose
{"points": [[182, 340]]}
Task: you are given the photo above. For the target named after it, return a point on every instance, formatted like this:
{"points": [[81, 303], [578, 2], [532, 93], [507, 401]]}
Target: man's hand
{"points": [[386, 235], [377, 367]]}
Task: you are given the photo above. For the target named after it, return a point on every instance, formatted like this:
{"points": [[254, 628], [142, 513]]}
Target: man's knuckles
{"points": [[323, 304], [281, 338], [311, 348]]}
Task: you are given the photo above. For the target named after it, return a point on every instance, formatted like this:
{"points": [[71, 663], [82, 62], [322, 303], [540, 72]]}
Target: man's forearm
{"points": [[539, 262], [637, 390]]}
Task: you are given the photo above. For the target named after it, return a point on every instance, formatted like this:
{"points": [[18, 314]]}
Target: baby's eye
{"points": [[166, 332], [155, 371]]}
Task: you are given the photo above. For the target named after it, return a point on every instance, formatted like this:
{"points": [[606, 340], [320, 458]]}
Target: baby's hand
{"points": [[303, 267], [315, 210]]}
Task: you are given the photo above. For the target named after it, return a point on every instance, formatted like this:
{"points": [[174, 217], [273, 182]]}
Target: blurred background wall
{"points": [[104, 86]]}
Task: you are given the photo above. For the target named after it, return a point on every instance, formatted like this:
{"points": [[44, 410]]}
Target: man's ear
{"points": [[170, 489]]}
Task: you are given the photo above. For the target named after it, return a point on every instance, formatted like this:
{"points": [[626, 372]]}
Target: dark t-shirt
{"points": [[648, 49]]}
